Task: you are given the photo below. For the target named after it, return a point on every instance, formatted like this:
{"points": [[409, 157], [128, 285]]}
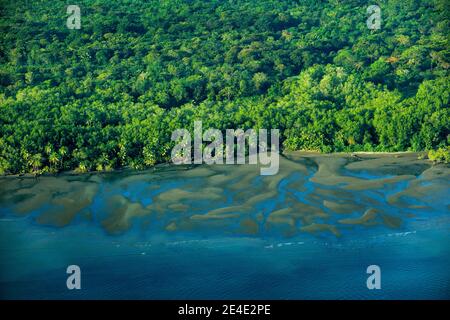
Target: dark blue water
{"points": [[214, 261], [34, 260]]}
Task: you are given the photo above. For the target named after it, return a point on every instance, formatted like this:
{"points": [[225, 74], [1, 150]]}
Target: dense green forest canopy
{"points": [[109, 94]]}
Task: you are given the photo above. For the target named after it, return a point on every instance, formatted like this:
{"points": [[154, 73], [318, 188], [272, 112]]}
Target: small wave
{"points": [[400, 234], [283, 244]]}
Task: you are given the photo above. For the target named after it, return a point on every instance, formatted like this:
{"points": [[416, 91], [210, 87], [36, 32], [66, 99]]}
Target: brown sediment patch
{"points": [[178, 207], [280, 220], [243, 183], [329, 171], [377, 183], [66, 195], [436, 172], [342, 206], [71, 196], [374, 217], [218, 179], [284, 225], [266, 189], [289, 166], [428, 187], [297, 185], [233, 209], [428, 193], [370, 201], [314, 198], [197, 172], [321, 227], [9, 187], [281, 216], [179, 200], [177, 194], [158, 209], [153, 187], [369, 218], [350, 196], [182, 224], [66, 207], [121, 211], [308, 212], [249, 226], [281, 212], [135, 178], [171, 226], [336, 193], [260, 198], [247, 175], [31, 203], [222, 213], [390, 164], [391, 221], [298, 211], [273, 181], [301, 209], [259, 217], [331, 166], [225, 222], [215, 216], [95, 178]]}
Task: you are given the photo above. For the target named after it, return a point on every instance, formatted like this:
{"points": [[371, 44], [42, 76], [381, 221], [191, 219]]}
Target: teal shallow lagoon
{"points": [[227, 233]]}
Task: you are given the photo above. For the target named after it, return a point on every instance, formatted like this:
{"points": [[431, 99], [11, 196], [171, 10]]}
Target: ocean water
{"points": [[224, 232]]}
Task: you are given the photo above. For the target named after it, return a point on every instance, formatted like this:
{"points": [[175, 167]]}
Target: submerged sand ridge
{"points": [[313, 193]]}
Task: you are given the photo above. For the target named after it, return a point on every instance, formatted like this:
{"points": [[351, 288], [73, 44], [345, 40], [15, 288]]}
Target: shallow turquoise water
{"points": [[216, 260]]}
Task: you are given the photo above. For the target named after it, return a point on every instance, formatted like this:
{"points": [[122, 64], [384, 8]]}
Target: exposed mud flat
{"points": [[313, 193]]}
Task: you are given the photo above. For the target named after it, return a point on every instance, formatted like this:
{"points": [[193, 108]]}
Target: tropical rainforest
{"points": [[109, 94]]}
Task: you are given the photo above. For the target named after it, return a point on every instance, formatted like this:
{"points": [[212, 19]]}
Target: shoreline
{"points": [[305, 152], [286, 154]]}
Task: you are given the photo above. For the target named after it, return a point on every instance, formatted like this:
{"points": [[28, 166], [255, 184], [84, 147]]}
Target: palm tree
{"points": [[82, 167], [48, 149], [53, 158], [36, 162], [63, 152], [25, 156]]}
